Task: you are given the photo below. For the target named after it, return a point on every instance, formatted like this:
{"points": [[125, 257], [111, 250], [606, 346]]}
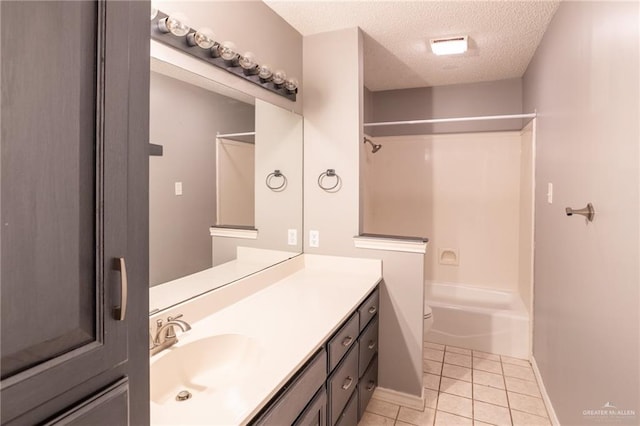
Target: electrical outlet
{"points": [[178, 188], [292, 237], [314, 239]]}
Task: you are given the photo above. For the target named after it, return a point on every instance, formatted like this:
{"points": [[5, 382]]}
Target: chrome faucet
{"points": [[166, 334]]}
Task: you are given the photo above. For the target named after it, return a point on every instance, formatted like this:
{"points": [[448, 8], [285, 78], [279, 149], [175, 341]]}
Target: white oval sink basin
{"points": [[202, 367]]}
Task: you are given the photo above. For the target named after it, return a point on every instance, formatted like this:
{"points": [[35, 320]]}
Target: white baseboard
{"points": [[545, 395], [400, 398]]}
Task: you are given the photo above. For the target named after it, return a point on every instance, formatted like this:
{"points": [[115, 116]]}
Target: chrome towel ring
{"points": [[275, 175], [330, 173]]}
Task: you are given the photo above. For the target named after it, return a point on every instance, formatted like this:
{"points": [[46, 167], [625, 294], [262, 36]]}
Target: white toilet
{"points": [[428, 320]]}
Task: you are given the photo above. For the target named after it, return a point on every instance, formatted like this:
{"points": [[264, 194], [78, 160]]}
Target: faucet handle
{"points": [[176, 317]]}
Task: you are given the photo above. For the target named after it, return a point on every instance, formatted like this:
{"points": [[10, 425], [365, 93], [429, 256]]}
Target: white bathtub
{"points": [[476, 318]]}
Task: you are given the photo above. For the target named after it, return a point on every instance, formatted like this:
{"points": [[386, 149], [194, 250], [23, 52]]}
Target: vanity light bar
{"points": [[201, 44]]}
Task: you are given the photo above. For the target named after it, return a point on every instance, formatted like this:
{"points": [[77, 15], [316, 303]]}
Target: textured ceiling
{"points": [[503, 36]]}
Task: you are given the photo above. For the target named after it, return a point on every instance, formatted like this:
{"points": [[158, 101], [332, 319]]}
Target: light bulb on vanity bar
{"points": [[265, 73], [248, 63], [227, 51], [279, 78], [176, 24], [291, 85], [203, 38]]}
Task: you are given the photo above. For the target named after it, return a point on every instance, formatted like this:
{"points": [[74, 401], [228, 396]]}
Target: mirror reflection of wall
{"points": [[278, 146], [185, 119], [235, 168]]}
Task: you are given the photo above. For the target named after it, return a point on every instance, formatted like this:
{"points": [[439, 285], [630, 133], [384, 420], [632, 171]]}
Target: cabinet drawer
{"points": [[366, 386], [342, 383], [316, 412], [289, 405], [369, 308], [349, 416], [342, 341], [368, 345]]}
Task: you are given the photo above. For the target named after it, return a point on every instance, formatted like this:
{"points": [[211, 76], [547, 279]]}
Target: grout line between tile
{"points": [[473, 399], [505, 391]]}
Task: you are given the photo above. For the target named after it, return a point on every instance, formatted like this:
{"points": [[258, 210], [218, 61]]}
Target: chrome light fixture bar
{"points": [[201, 44]]}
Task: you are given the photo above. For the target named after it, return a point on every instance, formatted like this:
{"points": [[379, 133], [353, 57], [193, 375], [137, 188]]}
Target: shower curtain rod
{"points": [[234, 135], [451, 120]]}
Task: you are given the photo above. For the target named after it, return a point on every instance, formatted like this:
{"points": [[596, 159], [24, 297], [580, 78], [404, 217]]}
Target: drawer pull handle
{"points": [[373, 310], [347, 341], [371, 385], [372, 344], [347, 383]]}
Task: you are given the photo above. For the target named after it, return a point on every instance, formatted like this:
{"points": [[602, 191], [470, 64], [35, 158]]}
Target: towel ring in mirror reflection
{"points": [[276, 174], [330, 173]]}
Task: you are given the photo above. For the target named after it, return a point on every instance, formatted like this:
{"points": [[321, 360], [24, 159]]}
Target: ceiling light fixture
{"points": [[449, 45]]}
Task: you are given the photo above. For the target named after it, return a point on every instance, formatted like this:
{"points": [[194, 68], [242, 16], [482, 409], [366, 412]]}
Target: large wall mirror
{"points": [[225, 192]]}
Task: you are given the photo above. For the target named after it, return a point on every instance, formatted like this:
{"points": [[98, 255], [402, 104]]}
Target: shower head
{"points": [[375, 147]]}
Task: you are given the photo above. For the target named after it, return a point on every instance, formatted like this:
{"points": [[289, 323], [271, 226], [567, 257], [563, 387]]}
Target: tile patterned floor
{"points": [[465, 387]]}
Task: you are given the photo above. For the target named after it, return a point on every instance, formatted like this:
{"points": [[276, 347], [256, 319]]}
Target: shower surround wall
{"points": [[462, 191]]}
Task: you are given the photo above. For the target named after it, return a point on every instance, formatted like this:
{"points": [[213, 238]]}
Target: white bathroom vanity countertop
{"points": [[289, 320]]}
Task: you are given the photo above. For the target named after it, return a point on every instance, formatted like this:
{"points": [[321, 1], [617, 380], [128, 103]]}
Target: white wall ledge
{"points": [[391, 243], [247, 234]]}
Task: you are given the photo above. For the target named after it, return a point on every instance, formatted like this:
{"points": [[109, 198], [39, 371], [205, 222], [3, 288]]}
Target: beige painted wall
{"points": [[252, 26], [332, 131], [235, 182], [462, 191], [332, 138], [279, 144], [583, 81]]}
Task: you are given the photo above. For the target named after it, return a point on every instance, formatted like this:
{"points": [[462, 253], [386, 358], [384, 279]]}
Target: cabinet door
{"points": [[66, 197], [107, 408]]}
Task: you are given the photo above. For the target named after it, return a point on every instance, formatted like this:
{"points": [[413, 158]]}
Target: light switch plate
{"points": [[550, 193], [178, 188]]}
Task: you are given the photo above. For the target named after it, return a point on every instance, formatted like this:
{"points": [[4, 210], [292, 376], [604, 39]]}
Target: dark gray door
{"points": [[74, 118]]}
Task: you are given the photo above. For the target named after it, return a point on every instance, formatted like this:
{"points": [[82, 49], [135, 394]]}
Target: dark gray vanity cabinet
{"points": [[74, 212], [292, 399], [335, 387], [316, 412]]}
